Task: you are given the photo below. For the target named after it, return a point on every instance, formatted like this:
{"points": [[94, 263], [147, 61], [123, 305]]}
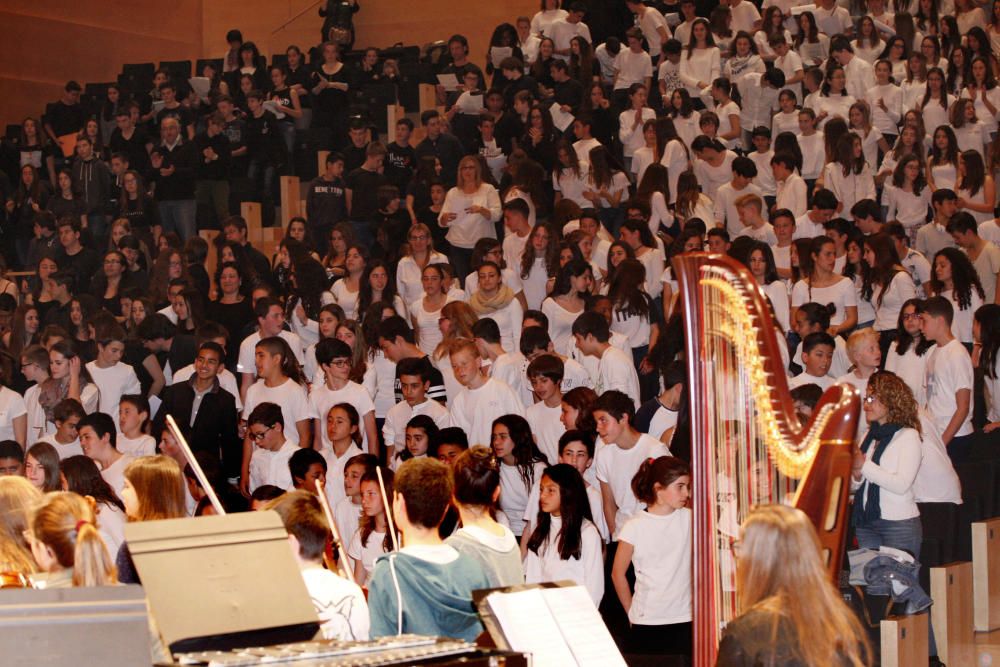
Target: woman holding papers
{"points": [[469, 211]]}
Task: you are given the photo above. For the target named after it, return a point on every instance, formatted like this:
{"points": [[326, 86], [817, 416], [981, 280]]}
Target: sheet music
{"points": [[200, 85], [801, 9], [272, 106], [582, 626], [529, 626], [561, 119], [158, 106], [449, 81], [470, 103], [498, 53]]}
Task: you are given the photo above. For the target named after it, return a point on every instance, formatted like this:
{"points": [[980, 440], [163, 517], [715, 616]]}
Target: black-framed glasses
{"points": [[257, 437]]}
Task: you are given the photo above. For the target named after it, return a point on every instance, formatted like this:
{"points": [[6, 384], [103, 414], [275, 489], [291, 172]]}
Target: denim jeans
{"points": [[905, 534], [178, 215]]}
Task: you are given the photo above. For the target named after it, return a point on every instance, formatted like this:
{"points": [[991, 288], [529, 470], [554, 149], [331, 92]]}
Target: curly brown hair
{"points": [[897, 397]]}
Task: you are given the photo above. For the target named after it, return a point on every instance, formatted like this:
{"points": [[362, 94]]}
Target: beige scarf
{"points": [[484, 305]]}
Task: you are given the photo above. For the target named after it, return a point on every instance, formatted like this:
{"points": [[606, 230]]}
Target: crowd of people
{"points": [[499, 297]]}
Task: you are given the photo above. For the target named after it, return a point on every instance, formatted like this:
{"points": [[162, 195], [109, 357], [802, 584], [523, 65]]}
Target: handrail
{"points": [[295, 18]]}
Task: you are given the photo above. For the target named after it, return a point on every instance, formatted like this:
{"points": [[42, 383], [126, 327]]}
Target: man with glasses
{"points": [[335, 358], [271, 450]]}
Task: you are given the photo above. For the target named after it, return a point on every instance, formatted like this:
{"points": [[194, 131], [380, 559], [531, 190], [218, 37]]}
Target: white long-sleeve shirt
{"points": [[849, 189], [587, 571], [894, 474], [887, 121], [468, 228], [703, 65], [908, 208]]}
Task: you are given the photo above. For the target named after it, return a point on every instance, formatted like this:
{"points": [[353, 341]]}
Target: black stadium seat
{"points": [[180, 70]]}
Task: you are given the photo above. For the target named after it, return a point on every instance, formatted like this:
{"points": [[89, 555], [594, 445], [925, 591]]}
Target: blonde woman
{"points": [[790, 612], [468, 213], [17, 497]]}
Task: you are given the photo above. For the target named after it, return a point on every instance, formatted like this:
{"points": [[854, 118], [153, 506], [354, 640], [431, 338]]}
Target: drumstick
{"points": [[198, 472], [388, 509], [325, 504]]}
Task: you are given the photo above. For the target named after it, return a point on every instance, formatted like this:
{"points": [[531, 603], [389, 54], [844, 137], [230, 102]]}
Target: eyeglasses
{"points": [[870, 398], [340, 363], [419, 237], [911, 316], [257, 437]]}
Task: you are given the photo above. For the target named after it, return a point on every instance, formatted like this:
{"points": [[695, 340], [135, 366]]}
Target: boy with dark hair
{"points": [[262, 496], [11, 458], [817, 356], [271, 450], [949, 379], [804, 398], [867, 216], [617, 462], [362, 188], [97, 440], [658, 415], [334, 357], [306, 467], [340, 604], [395, 339], [791, 191], [414, 382], [449, 444], [426, 587], [615, 368], [326, 201], [985, 256], [838, 230], [535, 342], [400, 156], [503, 365], [114, 377], [718, 240], [810, 224], [545, 373], [66, 439], [438, 143], [934, 236]]}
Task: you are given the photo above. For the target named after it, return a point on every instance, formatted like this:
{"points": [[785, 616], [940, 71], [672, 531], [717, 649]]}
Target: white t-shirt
{"points": [[467, 228], [912, 369], [662, 559], [547, 428], [841, 294], [560, 323], [340, 605], [11, 407], [144, 445], [111, 525], [632, 68], [292, 398], [113, 382], [587, 571], [515, 494], [961, 323], [114, 474], [65, 451], [335, 481], [322, 398], [271, 467], [616, 467], [246, 363], [949, 369], [615, 370], [474, 410], [394, 428], [348, 518], [408, 273], [368, 552]]}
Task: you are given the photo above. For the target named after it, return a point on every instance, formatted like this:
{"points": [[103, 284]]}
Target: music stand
{"points": [[222, 582], [103, 625]]}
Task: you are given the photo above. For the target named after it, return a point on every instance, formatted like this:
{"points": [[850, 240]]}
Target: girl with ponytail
{"points": [[657, 541], [66, 544]]}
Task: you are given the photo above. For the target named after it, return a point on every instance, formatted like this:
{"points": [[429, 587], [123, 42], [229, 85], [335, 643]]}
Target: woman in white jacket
{"points": [[701, 63], [886, 466]]}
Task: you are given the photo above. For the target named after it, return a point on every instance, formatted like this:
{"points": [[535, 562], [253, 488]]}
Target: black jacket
{"points": [[214, 429]]}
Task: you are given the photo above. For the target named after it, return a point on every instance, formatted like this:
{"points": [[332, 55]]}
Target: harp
{"points": [[748, 446]]}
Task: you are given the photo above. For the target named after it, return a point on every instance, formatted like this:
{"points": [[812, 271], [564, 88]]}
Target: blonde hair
{"points": [[421, 227], [460, 345], [159, 488], [462, 317], [858, 338], [780, 573], [17, 497], [470, 159], [66, 523]]}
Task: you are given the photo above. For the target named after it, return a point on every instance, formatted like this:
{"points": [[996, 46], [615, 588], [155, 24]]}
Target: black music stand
{"points": [[104, 625], [222, 582]]}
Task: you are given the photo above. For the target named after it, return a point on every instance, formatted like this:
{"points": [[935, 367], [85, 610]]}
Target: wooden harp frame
{"points": [[818, 454]]}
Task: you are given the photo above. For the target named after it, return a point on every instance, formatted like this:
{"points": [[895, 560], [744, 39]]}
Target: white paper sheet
{"points": [[498, 53], [449, 81], [561, 119]]}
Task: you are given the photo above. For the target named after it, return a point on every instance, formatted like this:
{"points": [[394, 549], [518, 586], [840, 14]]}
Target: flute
{"points": [[198, 472]]}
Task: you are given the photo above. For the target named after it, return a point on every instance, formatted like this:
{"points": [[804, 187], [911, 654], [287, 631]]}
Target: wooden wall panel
{"points": [[49, 42]]}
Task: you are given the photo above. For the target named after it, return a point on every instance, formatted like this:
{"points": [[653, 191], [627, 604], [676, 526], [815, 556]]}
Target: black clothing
{"points": [[326, 203], [509, 128], [260, 263], [570, 93], [364, 185], [399, 164], [60, 207], [183, 350], [65, 118], [512, 88], [134, 147], [236, 132], [437, 390], [214, 428], [354, 156], [234, 317], [56, 313], [264, 140], [141, 213], [747, 642], [448, 150], [183, 115], [218, 168], [84, 265], [93, 180], [180, 184]]}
